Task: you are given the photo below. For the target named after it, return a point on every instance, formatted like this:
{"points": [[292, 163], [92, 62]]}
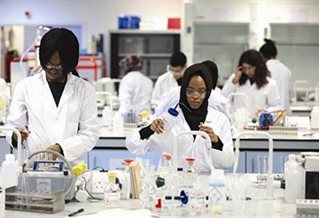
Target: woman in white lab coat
{"points": [[55, 109], [193, 114], [135, 89], [216, 100], [171, 79], [278, 71], [251, 78]]}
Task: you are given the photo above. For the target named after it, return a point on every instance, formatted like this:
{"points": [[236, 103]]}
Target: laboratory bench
{"points": [[110, 150], [257, 206]]}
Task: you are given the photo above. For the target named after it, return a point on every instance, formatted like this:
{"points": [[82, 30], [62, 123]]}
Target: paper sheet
{"points": [[118, 212]]}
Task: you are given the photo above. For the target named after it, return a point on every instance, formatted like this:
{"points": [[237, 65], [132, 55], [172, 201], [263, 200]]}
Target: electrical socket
{"points": [[99, 181]]}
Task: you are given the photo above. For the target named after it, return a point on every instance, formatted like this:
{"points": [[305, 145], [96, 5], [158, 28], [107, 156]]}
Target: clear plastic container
{"points": [[9, 171], [294, 178], [315, 117], [107, 116], [118, 123], [217, 192]]}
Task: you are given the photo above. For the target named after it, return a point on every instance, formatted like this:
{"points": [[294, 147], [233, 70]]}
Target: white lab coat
{"points": [[135, 92], [73, 124], [282, 75], [171, 98], [163, 84], [258, 99], [215, 119]]}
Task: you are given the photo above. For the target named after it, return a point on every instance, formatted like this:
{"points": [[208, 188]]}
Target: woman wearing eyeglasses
{"points": [[193, 114], [55, 109]]}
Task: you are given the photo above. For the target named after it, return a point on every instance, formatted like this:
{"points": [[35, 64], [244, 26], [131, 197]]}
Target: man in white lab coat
{"points": [[279, 72], [193, 114], [55, 109], [172, 78], [135, 89]]}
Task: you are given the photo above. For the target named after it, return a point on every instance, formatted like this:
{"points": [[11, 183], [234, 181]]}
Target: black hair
{"points": [[269, 49], [254, 58], [214, 71], [131, 63], [178, 59], [64, 42]]}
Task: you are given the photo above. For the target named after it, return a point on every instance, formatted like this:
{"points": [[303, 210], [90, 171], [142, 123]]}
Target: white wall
{"points": [[95, 16]]}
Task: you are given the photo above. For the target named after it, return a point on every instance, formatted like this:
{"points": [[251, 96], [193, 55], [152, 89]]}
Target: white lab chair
{"points": [[259, 134], [241, 95], [208, 147]]}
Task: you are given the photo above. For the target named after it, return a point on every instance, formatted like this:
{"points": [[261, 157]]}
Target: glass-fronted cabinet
{"points": [[298, 48], [222, 43], [155, 48]]}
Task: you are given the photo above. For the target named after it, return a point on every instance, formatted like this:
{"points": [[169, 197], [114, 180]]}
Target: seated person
{"points": [[193, 114]]}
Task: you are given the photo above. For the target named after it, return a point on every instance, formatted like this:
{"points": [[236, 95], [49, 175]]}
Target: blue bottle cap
{"points": [[184, 197], [173, 112]]}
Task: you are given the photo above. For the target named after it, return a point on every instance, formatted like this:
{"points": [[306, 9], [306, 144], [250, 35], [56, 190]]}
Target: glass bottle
{"points": [[112, 192], [126, 182], [166, 166]]}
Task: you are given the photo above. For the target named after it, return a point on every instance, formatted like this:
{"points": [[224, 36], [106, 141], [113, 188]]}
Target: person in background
{"points": [[278, 71], [54, 109], [252, 78], [193, 114], [216, 100], [172, 78], [135, 89]]}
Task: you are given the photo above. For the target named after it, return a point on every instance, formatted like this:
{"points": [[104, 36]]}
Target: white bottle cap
{"points": [[292, 157]]}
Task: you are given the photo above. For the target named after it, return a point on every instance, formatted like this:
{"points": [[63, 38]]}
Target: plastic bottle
{"points": [[9, 172], [130, 117], [294, 178], [118, 123], [112, 192], [169, 118], [315, 117], [126, 181], [2, 202], [217, 196], [107, 116]]}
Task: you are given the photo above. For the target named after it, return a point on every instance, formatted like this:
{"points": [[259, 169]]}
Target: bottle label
{"points": [[216, 193]]}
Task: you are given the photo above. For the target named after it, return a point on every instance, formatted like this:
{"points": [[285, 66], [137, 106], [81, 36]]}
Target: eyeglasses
{"points": [[49, 66], [191, 93], [170, 69]]}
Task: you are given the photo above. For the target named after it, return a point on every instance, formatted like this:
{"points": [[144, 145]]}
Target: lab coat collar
{"points": [[67, 92]]}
